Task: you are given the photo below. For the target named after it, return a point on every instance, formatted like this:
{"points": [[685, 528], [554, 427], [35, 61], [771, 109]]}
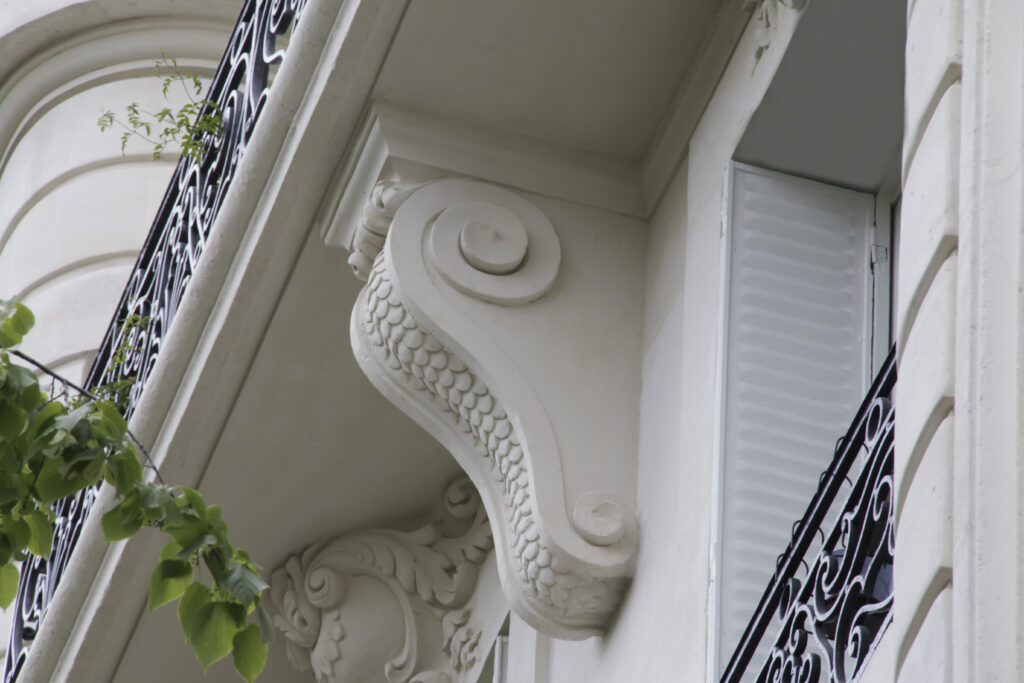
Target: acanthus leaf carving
{"points": [[429, 576], [385, 198]]}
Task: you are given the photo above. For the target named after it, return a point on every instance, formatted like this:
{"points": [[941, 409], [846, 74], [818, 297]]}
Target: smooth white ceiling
{"points": [[596, 76]]}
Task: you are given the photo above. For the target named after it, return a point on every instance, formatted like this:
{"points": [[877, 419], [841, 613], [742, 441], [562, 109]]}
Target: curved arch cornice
{"points": [[95, 56], [457, 241]]}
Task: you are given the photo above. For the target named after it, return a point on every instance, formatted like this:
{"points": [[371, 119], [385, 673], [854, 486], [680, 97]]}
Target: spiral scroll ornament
{"points": [[426, 571]]}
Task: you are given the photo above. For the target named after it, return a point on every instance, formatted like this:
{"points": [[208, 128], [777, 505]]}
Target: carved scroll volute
{"points": [[387, 604], [563, 565]]}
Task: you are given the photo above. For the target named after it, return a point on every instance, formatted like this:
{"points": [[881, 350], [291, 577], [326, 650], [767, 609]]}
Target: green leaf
{"points": [[213, 630], [123, 521], [21, 378], [83, 456], [170, 551], [6, 551], [215, 518], [266, 624], [17, 531], [22, 320], [31, 397], [243, 584], [190, 535], [70, 421], [123, 463], [196, 501], [195, 597], [111, 421], [250, 652], [15, 324], [213, 557], [169, 581], [172, 515], [51, 485], [13, 420], [8, 495], [153, 497], [40, 541], [8, 584]]}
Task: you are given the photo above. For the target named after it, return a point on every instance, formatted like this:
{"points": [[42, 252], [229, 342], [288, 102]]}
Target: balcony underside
{"points": [[260, 401]]}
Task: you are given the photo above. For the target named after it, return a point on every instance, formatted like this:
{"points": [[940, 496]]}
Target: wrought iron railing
{"points": [[830, 599], [162, 273]]}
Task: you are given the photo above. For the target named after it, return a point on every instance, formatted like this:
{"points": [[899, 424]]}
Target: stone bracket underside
{"points": [[392, 605], [458, 261]]}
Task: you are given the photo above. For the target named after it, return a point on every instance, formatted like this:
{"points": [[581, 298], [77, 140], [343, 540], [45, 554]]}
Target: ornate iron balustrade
{"points": [[829, 620], [165, 265]]}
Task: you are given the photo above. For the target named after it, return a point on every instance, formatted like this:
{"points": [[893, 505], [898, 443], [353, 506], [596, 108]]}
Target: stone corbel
{"points": [[392, 605], [455, 326]]}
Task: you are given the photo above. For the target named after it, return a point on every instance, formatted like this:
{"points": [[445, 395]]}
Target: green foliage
{"points": [[118, 392], [186, 127], [49, 450]]}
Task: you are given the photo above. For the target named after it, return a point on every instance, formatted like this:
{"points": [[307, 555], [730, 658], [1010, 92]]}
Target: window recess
{"points": [[796, 359]]}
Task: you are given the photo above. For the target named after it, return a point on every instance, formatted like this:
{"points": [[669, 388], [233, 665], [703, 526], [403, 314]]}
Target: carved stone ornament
{"points": [[419, 344], [387, 605], [369, 237]]}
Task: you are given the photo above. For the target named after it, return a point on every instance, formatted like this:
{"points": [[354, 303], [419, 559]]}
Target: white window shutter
{"points": [[794, 367]]}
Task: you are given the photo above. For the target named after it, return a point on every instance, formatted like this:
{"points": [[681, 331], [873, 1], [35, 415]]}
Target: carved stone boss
{"points": [[386, 604], [420, 248]]}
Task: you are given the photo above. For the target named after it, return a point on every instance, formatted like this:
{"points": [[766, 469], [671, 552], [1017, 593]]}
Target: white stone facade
{"points": [[534, 201]]}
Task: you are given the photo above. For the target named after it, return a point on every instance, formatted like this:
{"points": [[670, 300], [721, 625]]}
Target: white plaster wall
{"points": [[661, 633], [74, 209], [926, 317]]}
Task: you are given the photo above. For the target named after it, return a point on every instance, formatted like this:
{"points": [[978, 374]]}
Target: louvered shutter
{"points": [[794, 362]]}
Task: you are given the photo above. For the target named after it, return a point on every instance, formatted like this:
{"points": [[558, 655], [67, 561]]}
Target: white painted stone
{"points": [[881, 668], [441, 356], [987, 493], [496, 247], [92, 294], [929, 209], [924, 528], [934, 54], [64, 142], [927, 369], [100, 215], [480, 247], [926, 659], [390, 604], [663, 425]]}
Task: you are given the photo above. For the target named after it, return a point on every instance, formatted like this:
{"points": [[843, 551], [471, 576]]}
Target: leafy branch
{"points": [[187, 127], [50, 449]]}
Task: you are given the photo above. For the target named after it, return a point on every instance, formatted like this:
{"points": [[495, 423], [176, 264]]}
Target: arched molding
{"points": [[119, 51]]}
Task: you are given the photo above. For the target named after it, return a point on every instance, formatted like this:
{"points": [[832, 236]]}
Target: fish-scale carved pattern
{"points": [[427, 366]]}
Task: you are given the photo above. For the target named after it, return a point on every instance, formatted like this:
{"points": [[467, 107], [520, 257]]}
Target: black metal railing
{"points": [[162, 273], [830, 599]]}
